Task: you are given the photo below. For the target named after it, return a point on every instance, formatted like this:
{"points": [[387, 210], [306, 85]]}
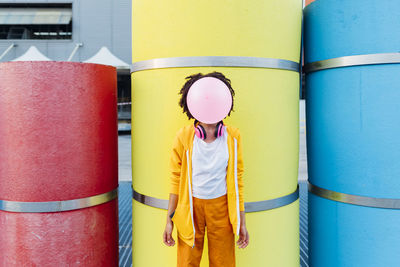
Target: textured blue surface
{"points": [[303, 224], [125, 224], [353, 115], [353, 123], [336, 28], [347, 235], [353, 137]]}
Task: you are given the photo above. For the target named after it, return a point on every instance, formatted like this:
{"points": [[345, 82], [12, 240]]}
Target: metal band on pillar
{"points": [[215, 61], [58, 206], [349, 61], [150, 201], [249, 206], [385, 203]]}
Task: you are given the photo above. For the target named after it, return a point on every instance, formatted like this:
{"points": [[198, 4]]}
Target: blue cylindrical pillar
{"points": [[353, 132]]}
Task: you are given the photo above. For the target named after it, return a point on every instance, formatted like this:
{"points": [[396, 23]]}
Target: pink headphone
{"points": [[201, 132]]}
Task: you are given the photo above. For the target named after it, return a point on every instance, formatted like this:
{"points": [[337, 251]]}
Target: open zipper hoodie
{"points": [[181, 181]]}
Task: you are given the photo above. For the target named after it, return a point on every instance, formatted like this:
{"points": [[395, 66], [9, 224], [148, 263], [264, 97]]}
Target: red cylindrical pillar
{"points": [[309, 2], [58, 142]]}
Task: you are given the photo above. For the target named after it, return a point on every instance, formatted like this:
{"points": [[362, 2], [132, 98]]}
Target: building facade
{"points": [[95, 23], [60, 29]]}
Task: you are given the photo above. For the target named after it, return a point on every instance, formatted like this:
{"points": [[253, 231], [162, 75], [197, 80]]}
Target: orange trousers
{"points": [[213, 215]]}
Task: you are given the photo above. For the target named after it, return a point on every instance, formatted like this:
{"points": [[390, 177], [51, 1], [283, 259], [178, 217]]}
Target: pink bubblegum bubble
{"points": [[209, 100]]}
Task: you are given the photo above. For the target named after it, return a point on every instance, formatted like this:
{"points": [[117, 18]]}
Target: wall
{"points": [[95, 24]]}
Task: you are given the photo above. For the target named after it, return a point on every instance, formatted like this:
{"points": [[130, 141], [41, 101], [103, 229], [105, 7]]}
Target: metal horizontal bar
{"points": [[150, 201], [357, 60], [249, 206], [58, 206], [215, 61], [272, 203], [385, 203]]}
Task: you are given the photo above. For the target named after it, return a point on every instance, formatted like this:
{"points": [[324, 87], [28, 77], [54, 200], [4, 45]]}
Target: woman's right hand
{"points": [[167, 236]]}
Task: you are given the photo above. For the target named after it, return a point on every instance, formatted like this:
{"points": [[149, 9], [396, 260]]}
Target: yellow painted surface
{"points": [[266, 112], [274, 238], [253, 28], [266, 105]]}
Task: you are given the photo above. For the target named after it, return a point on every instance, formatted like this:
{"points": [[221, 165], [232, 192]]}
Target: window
{"points": [[124, 96], [35, 21]]}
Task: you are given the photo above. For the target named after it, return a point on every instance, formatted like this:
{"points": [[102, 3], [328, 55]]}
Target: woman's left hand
{"points": [[243, 240]]}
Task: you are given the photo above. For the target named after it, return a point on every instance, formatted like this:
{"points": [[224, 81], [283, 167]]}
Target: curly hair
{"points": [[192, 79]]}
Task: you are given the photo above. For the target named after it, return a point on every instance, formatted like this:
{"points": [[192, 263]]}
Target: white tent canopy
{"points": [[105, 57], [32, 54]]}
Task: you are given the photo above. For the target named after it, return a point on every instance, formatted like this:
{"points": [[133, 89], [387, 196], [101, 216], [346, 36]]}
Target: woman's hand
{"points": [[243, 240], [167, 236]]}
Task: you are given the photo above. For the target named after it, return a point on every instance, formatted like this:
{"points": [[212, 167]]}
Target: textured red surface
{"points": [[58, 130], [58, 141], [88, 237], [309, 2]]}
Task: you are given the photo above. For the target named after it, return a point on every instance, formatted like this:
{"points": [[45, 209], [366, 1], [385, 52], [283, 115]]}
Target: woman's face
{"points": [[209, 100]]}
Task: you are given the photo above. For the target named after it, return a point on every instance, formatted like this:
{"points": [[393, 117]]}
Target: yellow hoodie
{"points": [[181, 181]]}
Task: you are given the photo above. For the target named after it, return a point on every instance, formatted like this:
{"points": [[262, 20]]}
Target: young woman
{"points": [[206, 183]]}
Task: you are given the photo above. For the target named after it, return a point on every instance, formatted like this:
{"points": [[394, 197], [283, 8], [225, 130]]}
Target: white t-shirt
{"points": [[209, 164]]}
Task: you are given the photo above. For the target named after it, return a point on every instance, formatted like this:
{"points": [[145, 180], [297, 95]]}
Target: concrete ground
{"points": [[124, 158], [124, 151], [303, 174]]}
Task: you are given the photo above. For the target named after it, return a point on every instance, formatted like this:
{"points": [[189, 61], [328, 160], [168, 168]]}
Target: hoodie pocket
{"points": [[182, 221]]}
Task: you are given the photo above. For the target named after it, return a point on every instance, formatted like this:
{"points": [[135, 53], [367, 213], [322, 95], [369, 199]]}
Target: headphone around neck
{"points": [[201, 132]]}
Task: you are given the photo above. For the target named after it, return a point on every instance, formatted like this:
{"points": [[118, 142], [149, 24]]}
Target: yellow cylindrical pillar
{"points": [[266, 112]]}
